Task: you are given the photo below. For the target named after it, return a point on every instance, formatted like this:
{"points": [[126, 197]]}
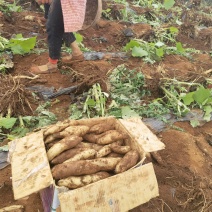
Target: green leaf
{"points": [[208, 112], [7, 123], [173, 30], [20, 45], [28, 119], [209, 100], [127, 112], [168, 4], [180, 47], [45, 118], [139, 52], [18, 132], [131, 44], [188, 98], [194, 123], [14, 8], [76, 115], [91, 102], [159, 52], [11, 137], [201, 95], [79, 38], [115, 112]]}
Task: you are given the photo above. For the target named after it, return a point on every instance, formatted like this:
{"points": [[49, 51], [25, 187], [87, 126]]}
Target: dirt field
{"points": [[184, 168]]}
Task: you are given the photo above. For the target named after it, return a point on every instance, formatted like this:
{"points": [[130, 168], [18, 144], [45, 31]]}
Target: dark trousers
{"points": [[55, 29]]}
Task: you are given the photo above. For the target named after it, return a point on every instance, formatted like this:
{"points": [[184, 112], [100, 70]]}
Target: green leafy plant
{"points": [[7, 8], [201, 98], [150, 52], [154, 109], [127, 91], [3, 43], [79, 40], [95, 102], [127, 86], [107, 14], [17, 44], [7, 122], [147, 3], [180, 99], [20, 45], [166, 34], [90, 104], [16, 127]]}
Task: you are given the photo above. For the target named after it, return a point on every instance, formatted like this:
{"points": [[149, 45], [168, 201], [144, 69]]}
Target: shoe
{"points": [[72, 58], [44, 69]]}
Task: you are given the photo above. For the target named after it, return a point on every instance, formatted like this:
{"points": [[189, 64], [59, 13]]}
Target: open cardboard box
{"points": [[122, 192]]}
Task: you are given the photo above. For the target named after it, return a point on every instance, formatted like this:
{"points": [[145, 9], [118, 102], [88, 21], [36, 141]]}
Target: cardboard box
{"points": [[122, 192]]}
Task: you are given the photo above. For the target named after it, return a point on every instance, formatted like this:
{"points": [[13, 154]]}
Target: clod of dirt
{"points": [[128, 32], [204, 146]]}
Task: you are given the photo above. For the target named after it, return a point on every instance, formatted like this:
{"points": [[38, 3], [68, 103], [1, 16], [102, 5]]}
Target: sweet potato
{"points": [[67, 154], [114, 155], [120, 142], [49, 145], [52, 137], [74, 168], [89, 145], [106, 164], [59, 127], [128, 161], [120, 149], [91, 137], [77, 130], [61, 146], [101, 127], [77, 182], [109, 137], [85, 154], [69, 130], [83, 167], [103, 151]]}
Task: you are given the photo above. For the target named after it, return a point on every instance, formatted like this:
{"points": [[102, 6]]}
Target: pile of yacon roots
{"points": [[81, 153], [15, 99]]}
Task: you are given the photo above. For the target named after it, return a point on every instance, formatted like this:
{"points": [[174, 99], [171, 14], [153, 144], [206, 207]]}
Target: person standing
{"points": [[63, 16]]}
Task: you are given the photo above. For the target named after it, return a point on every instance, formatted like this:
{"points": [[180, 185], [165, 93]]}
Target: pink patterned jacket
{"points": [[73, 14]]}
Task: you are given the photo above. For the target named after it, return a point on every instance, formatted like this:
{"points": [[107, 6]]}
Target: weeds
{"points": [[7, 8], [179, 98], [90, 104], [16, 127], [152, 52], [127, 86], [95, 102]]}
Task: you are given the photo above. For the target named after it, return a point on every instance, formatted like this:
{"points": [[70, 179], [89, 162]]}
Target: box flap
{"points": [[120, 192], [30, 166], [142, 134]]}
